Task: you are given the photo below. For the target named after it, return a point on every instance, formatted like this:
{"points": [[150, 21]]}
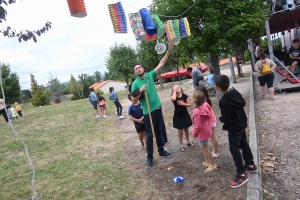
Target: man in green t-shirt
{"points": [[145, 83]]}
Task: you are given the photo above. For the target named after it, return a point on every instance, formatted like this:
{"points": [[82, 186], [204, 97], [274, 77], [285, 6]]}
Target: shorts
{"points": [[266, 79], [94, 103], [140, 129], [293, 60], [214, 125], [102, 106], [204, 142]]}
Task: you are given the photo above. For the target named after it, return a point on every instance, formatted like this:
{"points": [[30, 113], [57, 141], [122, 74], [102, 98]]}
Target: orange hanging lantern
{"points": [[77, 8]]}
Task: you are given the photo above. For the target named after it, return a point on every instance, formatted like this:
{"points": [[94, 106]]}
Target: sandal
{"points": [[210, 168], [205, 164], [190, 144], [216, 155], [182, 149]]}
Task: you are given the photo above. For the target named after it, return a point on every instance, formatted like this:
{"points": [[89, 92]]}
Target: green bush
{"points": [[100, 91]]}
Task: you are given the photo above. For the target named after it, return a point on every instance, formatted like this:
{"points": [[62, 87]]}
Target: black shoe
{"points": [[149, 163], [166, 154]]}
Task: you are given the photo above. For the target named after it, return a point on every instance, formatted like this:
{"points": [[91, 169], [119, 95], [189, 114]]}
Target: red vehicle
{"points": [[184, 74]]}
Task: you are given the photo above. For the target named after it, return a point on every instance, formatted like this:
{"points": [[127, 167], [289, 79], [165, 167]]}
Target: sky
{"points": [[72, 46]]}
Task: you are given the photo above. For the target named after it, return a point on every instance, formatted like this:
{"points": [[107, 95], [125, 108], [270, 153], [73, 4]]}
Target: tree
{"points": [[24, 34], [121, 60], [216, 25], [55, 88], [39, 95], [11, 84], [83, 80], [25, 96], [75, 88], [98, 76]]}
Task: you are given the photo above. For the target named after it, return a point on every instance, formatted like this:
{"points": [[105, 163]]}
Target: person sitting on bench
{"points": [[295, 57]]}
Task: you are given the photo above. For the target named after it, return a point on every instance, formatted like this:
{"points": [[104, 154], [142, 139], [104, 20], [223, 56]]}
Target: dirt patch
{"points": [[278, 128], [197, 185]]}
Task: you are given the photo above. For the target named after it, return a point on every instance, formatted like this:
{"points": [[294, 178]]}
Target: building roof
{"points": [[101, 84], [226, 61]]}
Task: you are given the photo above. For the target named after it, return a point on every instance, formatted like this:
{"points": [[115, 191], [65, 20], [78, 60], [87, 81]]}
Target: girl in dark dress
{"points": [[181, 119]]}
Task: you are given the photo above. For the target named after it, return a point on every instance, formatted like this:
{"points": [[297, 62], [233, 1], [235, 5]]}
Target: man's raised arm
{"points": [[164, 59]]}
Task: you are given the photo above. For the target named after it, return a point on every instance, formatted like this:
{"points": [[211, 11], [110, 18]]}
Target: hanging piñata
{"points": [[137, 26], [148, 22], [184, 27], [172, 30], [118, 17]]}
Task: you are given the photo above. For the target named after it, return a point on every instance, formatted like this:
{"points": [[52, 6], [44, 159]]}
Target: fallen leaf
{"points": [[271, 158], [272, 124], [265, 191], [269, 154], [276, 171], [269, 164], [265, 158], [282, 163], [292, 143], [170, 168]]}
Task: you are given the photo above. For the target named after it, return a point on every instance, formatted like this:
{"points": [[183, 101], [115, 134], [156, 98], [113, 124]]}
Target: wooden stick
{"points": [[153, 133]]}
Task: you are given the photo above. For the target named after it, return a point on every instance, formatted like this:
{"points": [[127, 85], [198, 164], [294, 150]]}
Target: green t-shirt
{"points": [[154, 101]]}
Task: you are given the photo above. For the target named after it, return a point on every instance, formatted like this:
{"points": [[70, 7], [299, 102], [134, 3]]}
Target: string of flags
{"points": [[148, 26]]}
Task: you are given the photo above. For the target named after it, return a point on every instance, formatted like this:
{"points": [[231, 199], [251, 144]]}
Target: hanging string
{"points": [[35, 196], [177, 16]]}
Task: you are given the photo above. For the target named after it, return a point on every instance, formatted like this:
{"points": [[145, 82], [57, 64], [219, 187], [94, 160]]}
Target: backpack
{"points": [[266, 69]]}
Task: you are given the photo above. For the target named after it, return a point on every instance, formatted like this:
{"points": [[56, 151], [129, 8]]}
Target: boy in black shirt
{"points": [[235, 121], [295, 58]]}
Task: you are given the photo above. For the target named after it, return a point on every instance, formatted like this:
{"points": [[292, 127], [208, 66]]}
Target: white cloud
{"points": [[72, 46]]}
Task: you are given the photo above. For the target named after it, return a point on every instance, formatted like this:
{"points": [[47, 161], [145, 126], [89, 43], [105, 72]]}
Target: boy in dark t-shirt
{"points": [[135, 113], [295, 58]]}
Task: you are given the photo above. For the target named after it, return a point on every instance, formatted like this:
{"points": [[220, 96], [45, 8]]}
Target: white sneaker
{"points": [[122, 117], [7, 124], [104, 116], [98, 116]]}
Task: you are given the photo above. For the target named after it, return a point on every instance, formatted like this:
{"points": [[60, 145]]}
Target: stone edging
{"points": [[254, 186]]}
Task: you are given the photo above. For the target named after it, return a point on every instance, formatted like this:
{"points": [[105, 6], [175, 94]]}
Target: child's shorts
{"points": [[140, 129], [214, 125], [102, 106], [204, 142]]}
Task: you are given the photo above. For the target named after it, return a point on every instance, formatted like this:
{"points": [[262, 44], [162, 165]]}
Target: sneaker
{"points": [[239, 181], [121, 117], [166, 154], [248, 169], [7, 124], [104, 116], [148, 163], [272, 99], [166, 143]]}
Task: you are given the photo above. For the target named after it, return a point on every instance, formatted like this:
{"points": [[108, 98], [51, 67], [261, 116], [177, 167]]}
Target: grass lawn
{"points": [[75, 155]]}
